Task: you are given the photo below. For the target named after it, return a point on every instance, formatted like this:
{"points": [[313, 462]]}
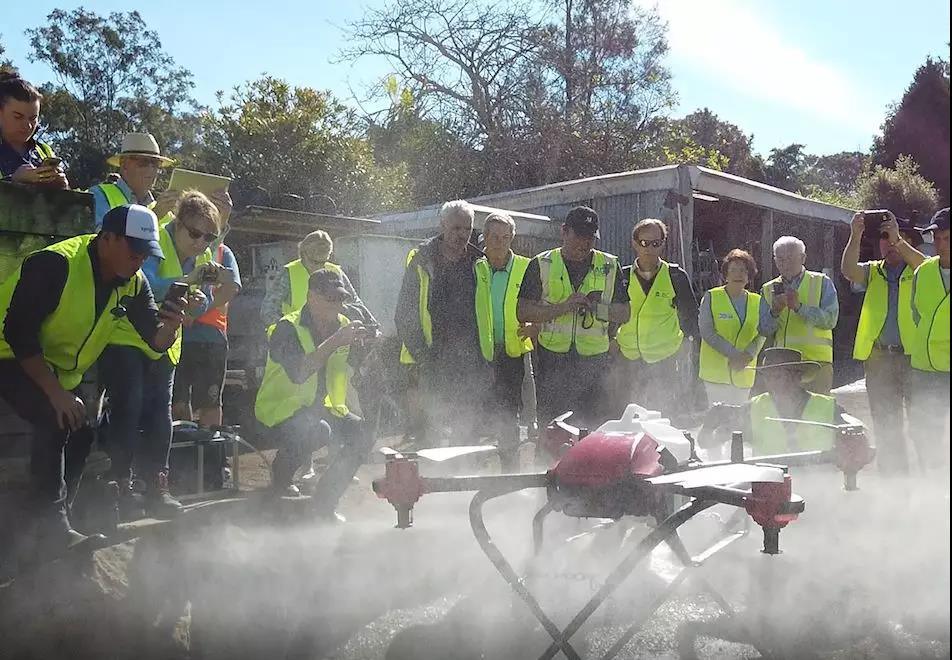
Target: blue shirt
{"points": [[202, 332], [160, 285], [11, 160], [823, 316], [101, 204], [498, 286]]}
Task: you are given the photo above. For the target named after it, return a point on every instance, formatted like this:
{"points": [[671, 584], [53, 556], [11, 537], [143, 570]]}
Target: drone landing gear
{"points": [[666, 531]]}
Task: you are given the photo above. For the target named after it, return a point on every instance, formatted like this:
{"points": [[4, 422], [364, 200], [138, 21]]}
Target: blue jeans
{"points": [[307, 431], [139, 432]]}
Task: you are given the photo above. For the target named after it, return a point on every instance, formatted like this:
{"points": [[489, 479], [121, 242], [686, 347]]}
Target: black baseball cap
{"points": [[583, 221], [940, 221], [908, 229], [328, 283], [139, 226]]}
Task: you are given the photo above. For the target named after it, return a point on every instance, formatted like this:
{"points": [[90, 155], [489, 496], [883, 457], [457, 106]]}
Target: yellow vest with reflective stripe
{"points": [[873, 315], [299, 277], [562, 333], [169, 268], [44, 150], [714, 367], [930, 349], [792, 331], [778, 438], [653, 331], [71, 337], [515, 345], [423, 304], [279, 398]]}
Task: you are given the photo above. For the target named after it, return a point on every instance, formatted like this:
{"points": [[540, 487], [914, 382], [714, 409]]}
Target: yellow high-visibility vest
{"points": [[873, 315], [299, 277], [423, 305], [774, 438], [169, 268], [814, 343], [588, 334], [515, 345], [279, 398], [653, 331], [72, 337], [714, 366], [930, 349]]}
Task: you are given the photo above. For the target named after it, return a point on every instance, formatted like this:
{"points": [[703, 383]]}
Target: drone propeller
{"points": [[565, 426], [851, 422], [437, 454], [721, 475]]}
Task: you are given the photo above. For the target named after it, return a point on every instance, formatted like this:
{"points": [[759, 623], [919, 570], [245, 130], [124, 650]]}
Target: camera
{"points": [[872, 220], [779, 288]]}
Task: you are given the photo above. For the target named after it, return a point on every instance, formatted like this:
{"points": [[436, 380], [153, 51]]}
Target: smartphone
{"points": [[176, 290], [52, 161], [872, 220]]}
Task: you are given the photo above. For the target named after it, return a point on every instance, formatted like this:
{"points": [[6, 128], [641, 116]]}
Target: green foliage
{"points": [[734, 146], [919, 126], [297, 147], [5, 64], [111, 77], [901, 189]]}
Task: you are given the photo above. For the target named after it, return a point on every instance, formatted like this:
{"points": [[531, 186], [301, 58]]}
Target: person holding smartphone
{"points": [[138, 379], [303, 396], [23, 158], [886, 331], [58, 312], [799, 309]]}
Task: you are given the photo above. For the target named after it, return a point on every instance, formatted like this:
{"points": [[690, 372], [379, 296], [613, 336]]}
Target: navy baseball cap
{"points": [[328, 283], [139, 226], [940, 221], [583, 221]]}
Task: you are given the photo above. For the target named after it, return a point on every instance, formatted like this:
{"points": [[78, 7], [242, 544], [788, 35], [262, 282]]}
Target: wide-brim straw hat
{"points": [[142, 145], [786, 358]]}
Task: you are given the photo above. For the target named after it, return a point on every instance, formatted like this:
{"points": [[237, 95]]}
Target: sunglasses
{"points": [[658, 242], [195, 234]]}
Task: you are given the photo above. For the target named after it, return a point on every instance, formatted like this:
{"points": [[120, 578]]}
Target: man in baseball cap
{"points": [[58, 313]]}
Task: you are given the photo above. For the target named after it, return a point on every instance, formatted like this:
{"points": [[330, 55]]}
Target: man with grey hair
{"points": [[436, 321], [799, 310], [504, 342]]}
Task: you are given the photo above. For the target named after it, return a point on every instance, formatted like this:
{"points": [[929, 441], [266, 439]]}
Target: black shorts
{"points": [[200, 374]]}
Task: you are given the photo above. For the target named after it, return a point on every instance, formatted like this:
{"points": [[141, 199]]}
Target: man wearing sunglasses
{"points": [[138, 162], [575, 292], [886, 330], [655, 365]]}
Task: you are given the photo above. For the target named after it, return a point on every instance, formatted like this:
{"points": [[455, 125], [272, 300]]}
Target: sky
{"points": [[817, 72]]}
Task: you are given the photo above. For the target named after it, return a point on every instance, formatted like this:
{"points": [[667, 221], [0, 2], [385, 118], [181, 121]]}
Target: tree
{"points": [[5, 64], [901, 189], [785, 167], [111, 77], [296, 147], [919, 126], [709, 133]]}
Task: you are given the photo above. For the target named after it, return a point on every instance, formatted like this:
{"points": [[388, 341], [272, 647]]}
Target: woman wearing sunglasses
{"points": [[663, 313], [138, 381]]}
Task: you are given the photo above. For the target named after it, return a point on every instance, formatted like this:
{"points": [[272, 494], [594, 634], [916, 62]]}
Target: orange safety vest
{"points": [[218, 317]]}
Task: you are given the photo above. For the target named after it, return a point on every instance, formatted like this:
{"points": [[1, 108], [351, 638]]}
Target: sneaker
{"points": [[159, 502]]}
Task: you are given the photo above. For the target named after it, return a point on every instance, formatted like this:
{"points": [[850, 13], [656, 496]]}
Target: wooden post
{"points": [[766, 245], [687, 221], [829, 247]]}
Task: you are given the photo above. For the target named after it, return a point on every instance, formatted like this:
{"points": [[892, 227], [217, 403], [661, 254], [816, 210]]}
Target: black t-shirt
{"points": [[452, 307], [531, 288], [38, 292]]}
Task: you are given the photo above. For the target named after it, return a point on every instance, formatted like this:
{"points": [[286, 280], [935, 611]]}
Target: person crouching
{"points": [[303, 395]]}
